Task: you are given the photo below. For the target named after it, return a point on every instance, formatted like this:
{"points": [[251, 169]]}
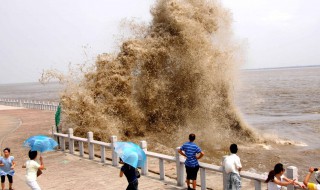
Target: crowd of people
{"points": [[232, 166]]}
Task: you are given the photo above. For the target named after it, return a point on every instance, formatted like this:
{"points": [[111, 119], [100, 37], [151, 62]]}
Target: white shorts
{"points": [[33, 185]]}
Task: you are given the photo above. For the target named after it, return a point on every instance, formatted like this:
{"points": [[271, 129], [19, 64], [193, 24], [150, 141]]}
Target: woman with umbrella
{"points": [[131, 156], [36, 143], [7, 165], [130, 173], [32, 170]]}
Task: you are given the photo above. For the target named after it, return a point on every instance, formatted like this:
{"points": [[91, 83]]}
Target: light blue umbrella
{"points": [[40, 143], [131, 153]]}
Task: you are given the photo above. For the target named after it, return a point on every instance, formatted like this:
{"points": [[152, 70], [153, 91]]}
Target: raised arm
{"points": [[307, 178], [41, 163]]}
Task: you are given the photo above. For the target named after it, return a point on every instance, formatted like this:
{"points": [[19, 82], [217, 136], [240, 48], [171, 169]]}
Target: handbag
{"points": [[137, 173], [39, 172]]}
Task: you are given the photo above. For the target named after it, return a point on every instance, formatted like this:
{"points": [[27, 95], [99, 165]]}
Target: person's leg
{"points": [[194, 177], [135, 185], [188, 176], [33, 185], [3, 179], [238, 182], [10, 179]]}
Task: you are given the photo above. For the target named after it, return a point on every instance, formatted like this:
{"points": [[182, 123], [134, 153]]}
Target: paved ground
{"points": [[64, 171]]}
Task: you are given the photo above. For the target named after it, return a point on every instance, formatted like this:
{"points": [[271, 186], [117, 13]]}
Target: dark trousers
{"points": [[133, 185], [3, 178]]}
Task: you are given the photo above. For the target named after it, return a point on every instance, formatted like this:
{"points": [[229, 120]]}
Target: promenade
{"points": [[64, 171]]}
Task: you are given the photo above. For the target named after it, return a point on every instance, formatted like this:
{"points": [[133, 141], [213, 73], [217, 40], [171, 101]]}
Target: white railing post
{"points": [[115, 158], [103, 154], [90, 145], [144, 147], [53, 130], [71, 141], [257, 185], [81, 151], [224, 174], [161, 169], [203, 178], [292, 173], [62, 144], [180, 169]]}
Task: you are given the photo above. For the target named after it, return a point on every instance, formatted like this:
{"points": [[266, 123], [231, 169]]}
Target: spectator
{"points": [[312, 186], [232, 166], [193, 153], [7, 165], [276, 179], [33, 169]]}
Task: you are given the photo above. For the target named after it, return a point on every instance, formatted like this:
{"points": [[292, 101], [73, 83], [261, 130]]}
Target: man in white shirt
{"points": [[232, 167]]}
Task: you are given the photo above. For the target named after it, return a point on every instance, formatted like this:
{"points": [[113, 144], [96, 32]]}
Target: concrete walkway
{"points": [[64, 171]]}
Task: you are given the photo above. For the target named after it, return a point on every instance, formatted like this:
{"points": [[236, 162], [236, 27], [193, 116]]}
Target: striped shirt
{"points": [[191, 149]]}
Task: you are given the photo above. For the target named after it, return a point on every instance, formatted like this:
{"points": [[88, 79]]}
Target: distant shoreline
{"points": [[281, 68], [256, 69]]}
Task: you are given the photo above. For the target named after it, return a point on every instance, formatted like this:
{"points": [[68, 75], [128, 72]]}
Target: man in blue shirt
{"points": [[193, 153]]}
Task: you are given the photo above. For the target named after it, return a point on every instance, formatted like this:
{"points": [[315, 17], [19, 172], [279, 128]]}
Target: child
{"points": [[32, 169], [232, 166], [7, 165], [130, 173], [276, 179], [312, 186]]}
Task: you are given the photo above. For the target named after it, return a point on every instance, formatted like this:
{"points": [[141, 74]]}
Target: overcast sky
{"points": [[36, 35]]}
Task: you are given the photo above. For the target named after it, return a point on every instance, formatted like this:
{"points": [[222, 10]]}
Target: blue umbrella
{"points": [[40, 143], [131, 153]]}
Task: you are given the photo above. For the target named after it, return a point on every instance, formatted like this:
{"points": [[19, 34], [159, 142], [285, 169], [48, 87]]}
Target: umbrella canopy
{"points": [[131, 153], [40, 143]]}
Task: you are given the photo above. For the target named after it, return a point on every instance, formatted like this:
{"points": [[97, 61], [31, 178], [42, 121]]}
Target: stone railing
{"points": [[70, 139], [30, 104]]}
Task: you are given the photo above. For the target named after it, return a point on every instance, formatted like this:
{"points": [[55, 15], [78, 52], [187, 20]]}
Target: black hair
{"points": [[32, 154], [192, 137], [278, 168], [233, 148], [8, 149]]}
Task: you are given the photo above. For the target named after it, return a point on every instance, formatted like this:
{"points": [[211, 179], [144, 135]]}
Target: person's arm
{"points": [[284, 183], [200, 155], [238, 164], [294, 182], [182, 153], [307, 178], [13, 164], [41, 163]]}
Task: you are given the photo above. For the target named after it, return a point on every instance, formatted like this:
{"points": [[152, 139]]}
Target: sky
{"points": [[37, 35]]}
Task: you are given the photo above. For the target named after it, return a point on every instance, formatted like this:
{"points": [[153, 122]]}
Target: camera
{"points": [[315, 169]]}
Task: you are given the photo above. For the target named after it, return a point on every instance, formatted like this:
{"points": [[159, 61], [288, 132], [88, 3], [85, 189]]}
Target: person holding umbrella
{"points": [[37, 143], [7, 165], [32, 170], [132, 157], [130, 173]]}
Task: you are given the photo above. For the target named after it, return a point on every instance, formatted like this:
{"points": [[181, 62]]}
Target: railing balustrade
{"points": [[30, 104], [258, 179]]}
